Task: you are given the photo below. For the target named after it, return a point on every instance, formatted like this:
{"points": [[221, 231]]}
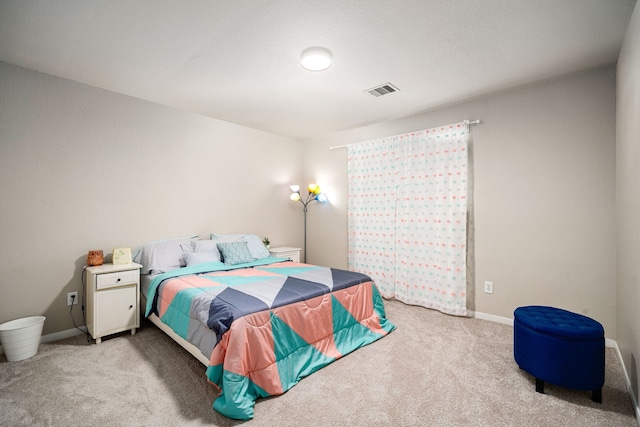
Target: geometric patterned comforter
{"points": [[267, 324]]}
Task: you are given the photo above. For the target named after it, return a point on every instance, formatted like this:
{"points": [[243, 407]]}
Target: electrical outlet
{"points": [[488, 287], [72, 298]]}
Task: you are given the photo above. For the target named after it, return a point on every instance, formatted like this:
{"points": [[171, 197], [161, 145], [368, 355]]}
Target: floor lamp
{"points": [[314, 194]]}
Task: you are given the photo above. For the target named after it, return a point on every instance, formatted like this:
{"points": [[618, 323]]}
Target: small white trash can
{"points": [[20, 338]]}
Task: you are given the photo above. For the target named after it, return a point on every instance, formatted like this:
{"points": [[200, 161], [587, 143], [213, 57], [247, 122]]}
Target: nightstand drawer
{"points": [[121, 278]]}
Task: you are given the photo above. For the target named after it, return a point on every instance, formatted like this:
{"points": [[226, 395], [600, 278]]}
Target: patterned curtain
{"points": [[408, 216]]}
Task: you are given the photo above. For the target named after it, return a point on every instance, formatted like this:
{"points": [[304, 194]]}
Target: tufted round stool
{"points": [[560, 347]]}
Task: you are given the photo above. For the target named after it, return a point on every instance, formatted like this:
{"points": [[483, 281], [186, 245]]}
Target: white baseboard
{"points": [[507, 321], [607, 342], [63, 334], [58, 335], [490, 317], [627, 380]]}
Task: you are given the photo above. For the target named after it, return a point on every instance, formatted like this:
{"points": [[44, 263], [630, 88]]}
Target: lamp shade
{"points": [[316, 59], [314, 194]]}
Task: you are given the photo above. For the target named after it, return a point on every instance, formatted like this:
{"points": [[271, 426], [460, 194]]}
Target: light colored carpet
{"points": [[434, 370]]}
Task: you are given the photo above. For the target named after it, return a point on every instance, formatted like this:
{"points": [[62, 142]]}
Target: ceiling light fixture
{"points": [[316, 59]]}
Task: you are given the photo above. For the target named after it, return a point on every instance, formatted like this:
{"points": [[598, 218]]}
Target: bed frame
{"points": [[195, 351]]}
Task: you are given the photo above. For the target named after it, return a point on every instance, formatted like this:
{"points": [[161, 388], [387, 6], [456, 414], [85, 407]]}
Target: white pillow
{"points": [[161, 256], [224, 238], [256, 247], [206, 246], [254, 243], [194, 258]]}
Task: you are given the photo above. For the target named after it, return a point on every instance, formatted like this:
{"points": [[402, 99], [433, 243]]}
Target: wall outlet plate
{"points": [[488, 287], [72, 298]]}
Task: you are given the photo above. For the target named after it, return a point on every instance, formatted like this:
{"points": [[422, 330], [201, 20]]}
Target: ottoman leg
{"points": [[539, 385], [596, 395]]}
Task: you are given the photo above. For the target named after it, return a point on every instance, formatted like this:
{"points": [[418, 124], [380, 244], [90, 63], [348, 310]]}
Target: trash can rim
{"points": [[23, 322]]}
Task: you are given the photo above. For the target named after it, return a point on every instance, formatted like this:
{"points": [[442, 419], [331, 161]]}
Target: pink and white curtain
{"points": [[408, 216]]}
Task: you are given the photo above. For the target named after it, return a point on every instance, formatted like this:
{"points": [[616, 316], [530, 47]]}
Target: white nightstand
{"points": [[113, 299], [286, 252]]}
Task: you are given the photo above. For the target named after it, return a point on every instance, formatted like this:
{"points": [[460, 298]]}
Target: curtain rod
{"points": [[466, 122]]}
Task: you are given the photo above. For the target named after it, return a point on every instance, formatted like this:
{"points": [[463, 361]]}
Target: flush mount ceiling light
{"points": [[316, 59]]}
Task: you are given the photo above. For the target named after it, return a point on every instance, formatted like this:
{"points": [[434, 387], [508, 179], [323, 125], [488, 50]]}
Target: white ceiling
{"points": [[239, 60]]}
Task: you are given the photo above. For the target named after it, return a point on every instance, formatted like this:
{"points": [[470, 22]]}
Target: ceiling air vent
{"points": [[384, 89]]}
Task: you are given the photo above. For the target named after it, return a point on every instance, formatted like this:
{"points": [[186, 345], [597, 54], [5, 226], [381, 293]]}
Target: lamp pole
{"points": [[311, 197], [304, 257], [314, 194]]}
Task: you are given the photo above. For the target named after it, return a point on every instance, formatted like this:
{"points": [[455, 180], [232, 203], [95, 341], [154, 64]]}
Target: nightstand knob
{"points": [[130, 307], [119, 278]]}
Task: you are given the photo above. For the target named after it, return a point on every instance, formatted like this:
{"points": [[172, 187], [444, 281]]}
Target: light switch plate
{"points": [[488, 287]]}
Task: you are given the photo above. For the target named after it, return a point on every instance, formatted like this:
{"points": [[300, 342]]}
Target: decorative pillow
{"points": [[194, 258], [254, 242], [161, 256], [235, 252]]}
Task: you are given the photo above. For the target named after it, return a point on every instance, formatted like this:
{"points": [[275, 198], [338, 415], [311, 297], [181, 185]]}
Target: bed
{"points": [[258, 323]]}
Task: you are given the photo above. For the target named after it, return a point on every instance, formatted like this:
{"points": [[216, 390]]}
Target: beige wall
{"points": [[543, 160], [83, 168], [544, 177], [628, 202]]}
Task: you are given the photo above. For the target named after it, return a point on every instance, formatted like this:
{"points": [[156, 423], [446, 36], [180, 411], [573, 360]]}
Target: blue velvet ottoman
{"points": [[560, 347]]}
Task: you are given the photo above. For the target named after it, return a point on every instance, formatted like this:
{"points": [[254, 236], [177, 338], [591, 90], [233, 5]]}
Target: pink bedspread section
{"points": [[267, 353]]}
